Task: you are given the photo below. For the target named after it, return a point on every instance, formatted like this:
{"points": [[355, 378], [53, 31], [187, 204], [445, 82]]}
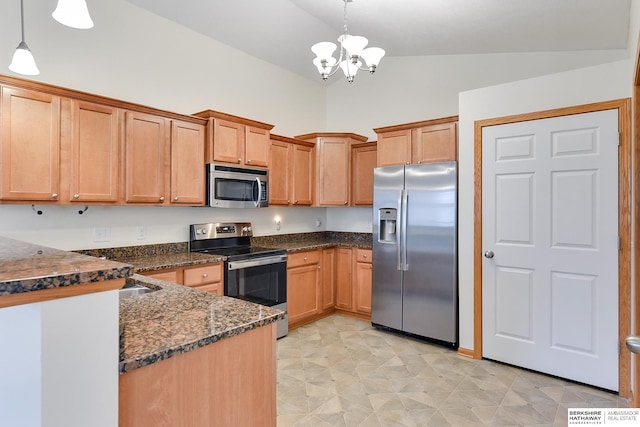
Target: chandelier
{"points": [[352, 51]]}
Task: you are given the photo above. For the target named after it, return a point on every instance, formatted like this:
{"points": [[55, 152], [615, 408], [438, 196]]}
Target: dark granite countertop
{"points": [[175, 319], [146, 258], [309, 241], [25, 267]]}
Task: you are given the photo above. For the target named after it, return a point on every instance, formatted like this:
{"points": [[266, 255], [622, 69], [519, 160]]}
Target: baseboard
{"points": [[465, 352]]}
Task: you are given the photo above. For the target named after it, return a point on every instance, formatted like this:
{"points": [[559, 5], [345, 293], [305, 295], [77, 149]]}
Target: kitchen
{"points": [[108, 63]]}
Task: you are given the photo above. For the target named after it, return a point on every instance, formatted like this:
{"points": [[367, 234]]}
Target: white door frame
{"points": [[624, 224]]}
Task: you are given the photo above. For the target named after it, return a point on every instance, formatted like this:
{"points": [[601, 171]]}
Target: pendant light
{"points": [[23, 62], [73, 13]]}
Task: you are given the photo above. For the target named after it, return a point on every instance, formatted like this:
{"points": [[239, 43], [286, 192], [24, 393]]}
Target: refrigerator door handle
{"points": [[400, 237], [403, 233]]}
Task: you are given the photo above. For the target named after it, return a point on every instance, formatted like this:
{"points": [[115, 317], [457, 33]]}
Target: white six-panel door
{"points": [[550, 244]]}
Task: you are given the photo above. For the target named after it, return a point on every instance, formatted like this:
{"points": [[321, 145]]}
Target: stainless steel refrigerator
{"points": [[415, 281]]}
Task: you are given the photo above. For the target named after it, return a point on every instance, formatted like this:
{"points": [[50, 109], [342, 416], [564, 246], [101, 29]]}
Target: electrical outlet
{"points": [[141, 232], [102, 234], [318, 222]]}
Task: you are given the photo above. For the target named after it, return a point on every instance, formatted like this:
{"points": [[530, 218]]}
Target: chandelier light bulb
{"points": [[73, 13], [23, 61], [354, 45], [350, 69], [372, 56], [324, 50]]}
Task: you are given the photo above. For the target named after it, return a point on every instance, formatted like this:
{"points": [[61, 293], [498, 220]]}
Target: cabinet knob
{"points": [[162, 199], [419, 161], [76, 196], [305, 258], [288, 201], [175, 199], [295, 202], [54, 195], [239, 160], [248, 161], [318, 267], [365, 255], [407, 163], [205, 275], [345, 202]]}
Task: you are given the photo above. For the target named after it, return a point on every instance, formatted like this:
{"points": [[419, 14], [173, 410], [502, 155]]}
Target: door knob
{"points": [[488, 254], [633, 343]]}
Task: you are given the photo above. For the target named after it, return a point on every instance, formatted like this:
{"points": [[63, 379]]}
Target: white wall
{"points": [[587, 85]]}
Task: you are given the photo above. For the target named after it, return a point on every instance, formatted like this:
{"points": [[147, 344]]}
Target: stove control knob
{"points": [[249, 229]]}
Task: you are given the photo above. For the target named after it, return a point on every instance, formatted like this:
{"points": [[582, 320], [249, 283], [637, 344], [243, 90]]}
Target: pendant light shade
{"points": [[23, 62], [73, 13]]}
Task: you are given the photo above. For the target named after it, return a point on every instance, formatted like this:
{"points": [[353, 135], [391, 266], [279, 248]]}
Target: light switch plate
{"points": [[141, 232], [102, 234]]}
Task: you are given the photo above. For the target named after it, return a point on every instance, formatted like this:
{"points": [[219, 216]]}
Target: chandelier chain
{"points": [[346, 30]]}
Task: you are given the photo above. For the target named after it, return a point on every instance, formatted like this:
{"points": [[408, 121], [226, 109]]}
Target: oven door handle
{"points": [[238, 265]]}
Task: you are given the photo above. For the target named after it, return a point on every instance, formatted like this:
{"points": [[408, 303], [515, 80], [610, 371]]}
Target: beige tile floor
{"points": [[340, 371]]}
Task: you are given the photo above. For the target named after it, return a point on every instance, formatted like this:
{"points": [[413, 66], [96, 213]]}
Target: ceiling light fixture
{"points": [[352, 49], [23, 62], [73, 13]]}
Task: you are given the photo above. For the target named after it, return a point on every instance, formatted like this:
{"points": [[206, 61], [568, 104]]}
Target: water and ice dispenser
{"points": [[387, 221]]}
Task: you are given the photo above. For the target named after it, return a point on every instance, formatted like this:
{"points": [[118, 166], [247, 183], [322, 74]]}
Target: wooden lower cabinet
{"points": [[362, 280], [208, 277], [328, 279], [304, 291], [344, 294], [229, 383]]}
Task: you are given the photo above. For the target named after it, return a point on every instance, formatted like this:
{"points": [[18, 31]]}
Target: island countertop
{"points": [[26, 267], [175, 319]]}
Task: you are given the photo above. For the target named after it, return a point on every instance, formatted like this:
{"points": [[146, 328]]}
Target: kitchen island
{"points": [[59, 337]]}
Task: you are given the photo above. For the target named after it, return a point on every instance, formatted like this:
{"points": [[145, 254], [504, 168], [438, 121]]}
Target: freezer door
{"points": [[386, 299], [430, 280]]}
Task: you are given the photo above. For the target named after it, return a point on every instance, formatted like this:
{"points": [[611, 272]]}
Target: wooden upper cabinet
{"points": [[95, 151], [394, 148], [147, 154], [256, 144], [187, 163], [291, 172], [435, 143], [333, 166], [420, 142], [364, 160], [30, 146], [236, 140]]}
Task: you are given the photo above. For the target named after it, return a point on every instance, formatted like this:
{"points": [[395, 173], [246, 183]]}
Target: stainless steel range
{"points": [[251, 273]]}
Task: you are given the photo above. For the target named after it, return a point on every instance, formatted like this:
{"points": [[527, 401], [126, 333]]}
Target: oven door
{"points": [[262, 280], [233, 187]]}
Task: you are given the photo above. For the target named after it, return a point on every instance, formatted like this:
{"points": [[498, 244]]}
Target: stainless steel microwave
{"points": [[237, 187]]}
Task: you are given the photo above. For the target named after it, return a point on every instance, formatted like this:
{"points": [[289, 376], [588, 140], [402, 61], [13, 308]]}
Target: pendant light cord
{"points": [[22, 18]]}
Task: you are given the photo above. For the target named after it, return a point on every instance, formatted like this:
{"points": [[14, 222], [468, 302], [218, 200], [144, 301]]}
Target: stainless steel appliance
{"points": [[236, 187], [415, 283], [251, 273]]}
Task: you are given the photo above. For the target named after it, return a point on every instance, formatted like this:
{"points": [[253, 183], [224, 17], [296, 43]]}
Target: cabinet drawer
{"points": [[363, 255], [197, 276], [303, 258], [214, 288], [168, 276]]}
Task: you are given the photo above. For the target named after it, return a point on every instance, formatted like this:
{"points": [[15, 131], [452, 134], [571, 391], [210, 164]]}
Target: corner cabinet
{"points": [[419, 142], [333, 166], [236, 140], [30, 145], [291, 169]]}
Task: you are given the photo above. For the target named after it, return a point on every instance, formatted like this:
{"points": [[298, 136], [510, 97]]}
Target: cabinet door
{"points": [[435, 143], [256, 147], [228, 141], [30, 145], [95, 151], [303, 298], [328, 278], [364, 159], [280, 173], [394, 148], [362, 280], [146, 141], [187, 163], [344, 290], [302, 173], [334, 173]]}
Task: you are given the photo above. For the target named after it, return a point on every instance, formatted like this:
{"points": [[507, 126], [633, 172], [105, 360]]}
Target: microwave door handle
{"points": [[257, 202]]}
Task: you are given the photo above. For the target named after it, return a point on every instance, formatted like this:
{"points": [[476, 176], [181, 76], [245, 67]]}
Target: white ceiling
{"points": [[282, 31]]}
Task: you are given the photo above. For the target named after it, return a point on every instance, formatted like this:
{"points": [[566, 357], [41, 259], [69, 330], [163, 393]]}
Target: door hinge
{"points": [[619, 138], [619, 243]]}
